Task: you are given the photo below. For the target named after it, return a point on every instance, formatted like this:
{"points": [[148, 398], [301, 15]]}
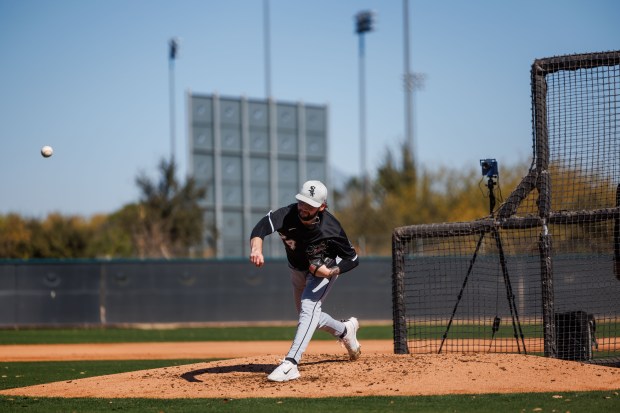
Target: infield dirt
{"points": [[325, 372]]}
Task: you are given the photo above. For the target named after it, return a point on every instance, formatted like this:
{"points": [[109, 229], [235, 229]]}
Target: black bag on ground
{"points": [[574, 332]]}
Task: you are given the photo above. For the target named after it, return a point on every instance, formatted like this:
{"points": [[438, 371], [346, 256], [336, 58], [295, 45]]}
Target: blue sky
{"points": [[90, 78]]}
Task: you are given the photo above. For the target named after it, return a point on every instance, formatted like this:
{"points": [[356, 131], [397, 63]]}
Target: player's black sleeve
{"points": [[342, 248], [347, 265], [271, 222], [263, 227]]}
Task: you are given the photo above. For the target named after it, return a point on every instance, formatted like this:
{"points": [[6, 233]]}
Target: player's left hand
{"points": [[320, 267]]}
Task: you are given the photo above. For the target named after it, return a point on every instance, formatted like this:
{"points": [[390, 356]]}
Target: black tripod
{"points": [[516, 324]]}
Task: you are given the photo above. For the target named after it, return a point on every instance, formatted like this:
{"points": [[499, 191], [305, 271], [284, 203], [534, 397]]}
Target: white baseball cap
{"points": [[313, 193]]}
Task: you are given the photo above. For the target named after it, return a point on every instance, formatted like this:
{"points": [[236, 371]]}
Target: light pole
{"points": [[267, 46], [408, 85], [363, 24], [412, 82], [174, 45]]}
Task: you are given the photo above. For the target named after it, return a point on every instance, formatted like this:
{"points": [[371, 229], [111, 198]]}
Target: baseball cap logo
{"points": [[312, 191]]}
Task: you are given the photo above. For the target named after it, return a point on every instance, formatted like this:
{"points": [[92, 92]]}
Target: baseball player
{"points": [[318, 251]]}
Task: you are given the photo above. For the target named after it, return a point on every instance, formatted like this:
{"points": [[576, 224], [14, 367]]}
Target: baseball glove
{"points": [[317, 262]]}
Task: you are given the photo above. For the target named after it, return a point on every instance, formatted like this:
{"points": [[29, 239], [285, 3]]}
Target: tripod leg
{"points": [[509, 293], [494, 329], [514, 306], [471, 266]]}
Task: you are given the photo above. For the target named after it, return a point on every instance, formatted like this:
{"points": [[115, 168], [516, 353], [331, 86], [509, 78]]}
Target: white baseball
{"points": [[47, 151]]}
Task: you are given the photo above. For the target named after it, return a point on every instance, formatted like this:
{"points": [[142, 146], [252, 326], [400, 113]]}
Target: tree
{"points": [[395, 180], [14, 237], [168, 219], [401, 195], [59, 236], [111, 235]]}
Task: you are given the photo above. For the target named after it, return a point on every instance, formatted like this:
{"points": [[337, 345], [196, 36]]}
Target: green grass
{"points": [[506, 330], [133, 335], [21, 374], [580, 402], [129, 335], [456, 330]]}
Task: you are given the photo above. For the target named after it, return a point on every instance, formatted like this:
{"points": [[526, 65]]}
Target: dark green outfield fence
{"points": [[91, 292]]}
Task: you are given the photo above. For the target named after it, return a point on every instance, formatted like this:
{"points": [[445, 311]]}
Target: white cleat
{"points": [[349, 341], [284, 372]]}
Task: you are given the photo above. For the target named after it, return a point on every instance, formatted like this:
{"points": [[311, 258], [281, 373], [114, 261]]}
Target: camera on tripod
{"points": [[490, 171], [489, 168]]}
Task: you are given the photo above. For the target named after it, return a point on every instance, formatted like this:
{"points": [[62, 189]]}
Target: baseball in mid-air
{"points": [[47, 151]]}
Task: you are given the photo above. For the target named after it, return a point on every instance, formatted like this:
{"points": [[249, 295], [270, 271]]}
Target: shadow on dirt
{"points": [[191, 376]]}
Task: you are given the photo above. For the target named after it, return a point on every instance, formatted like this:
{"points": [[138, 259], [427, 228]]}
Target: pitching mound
{"points": [[324, 375]]}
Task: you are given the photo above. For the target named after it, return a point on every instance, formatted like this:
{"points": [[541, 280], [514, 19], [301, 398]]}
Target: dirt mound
{"points": [[324, 375]]}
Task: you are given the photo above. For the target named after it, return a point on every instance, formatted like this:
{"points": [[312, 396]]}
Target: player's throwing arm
{"points": [[256, 251]]}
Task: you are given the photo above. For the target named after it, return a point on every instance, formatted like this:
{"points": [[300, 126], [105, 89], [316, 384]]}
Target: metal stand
{"points": [[516, 324]]}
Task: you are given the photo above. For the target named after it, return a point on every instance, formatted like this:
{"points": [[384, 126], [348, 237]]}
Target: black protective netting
{"points": [[541, 274]]}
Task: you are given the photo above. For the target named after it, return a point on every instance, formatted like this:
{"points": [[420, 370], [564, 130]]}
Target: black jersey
{"points": [[326, 238]]}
